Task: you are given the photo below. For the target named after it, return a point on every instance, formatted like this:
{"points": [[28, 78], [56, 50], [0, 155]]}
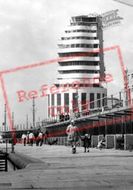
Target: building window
{"points": [[48, 100], [98, 100], [84, 102], [78, 46], [104, 100], [86, 31], [66, 102], [66, 99], [49, 109], [88, 63], [75, 102], [52, 99], [53, 111], [59, 110], [89, 54], [58, 99], [91, 100], [52, 106], [79, 71]]}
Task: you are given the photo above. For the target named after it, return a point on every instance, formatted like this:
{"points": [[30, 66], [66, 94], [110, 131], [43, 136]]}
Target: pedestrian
{"points": [[101, 143], [24, 138], [45, 136], [73, 135], [40, 138], [36, 133], [28, 137], [31, 138], [86, 142]]}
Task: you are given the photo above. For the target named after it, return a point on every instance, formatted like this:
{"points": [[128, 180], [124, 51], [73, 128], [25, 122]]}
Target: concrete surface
{"points": [[56, 168]]}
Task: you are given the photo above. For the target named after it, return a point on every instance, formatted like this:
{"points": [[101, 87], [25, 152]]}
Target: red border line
{"points": [[7, 105], [49, 62], [124, 75]]}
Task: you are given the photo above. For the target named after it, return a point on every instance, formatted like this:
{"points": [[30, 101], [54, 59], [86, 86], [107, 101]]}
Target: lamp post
{"points": [[5, 127], [33, 112], [13, 139]]}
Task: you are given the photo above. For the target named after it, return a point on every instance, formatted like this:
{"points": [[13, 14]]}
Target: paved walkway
{"points": [[56, 168]]}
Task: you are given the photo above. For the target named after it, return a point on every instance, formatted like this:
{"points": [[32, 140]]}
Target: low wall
{"points": [[128, 142], [21, 161], [100, 137], [110, 141], [94, 140]]}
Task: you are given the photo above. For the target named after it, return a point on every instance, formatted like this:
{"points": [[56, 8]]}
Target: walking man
{"points": [[24, 138], [31, 138]]}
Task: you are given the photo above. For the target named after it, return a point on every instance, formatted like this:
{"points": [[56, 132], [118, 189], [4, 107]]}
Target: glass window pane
{"points": [[91, 100]]}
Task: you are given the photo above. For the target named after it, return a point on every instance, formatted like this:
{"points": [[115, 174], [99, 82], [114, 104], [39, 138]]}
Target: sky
{"points": [[29, 33]]}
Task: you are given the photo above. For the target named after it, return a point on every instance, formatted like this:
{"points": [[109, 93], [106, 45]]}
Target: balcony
{"points": [[78, 76], [87, 34], [78, 67], [77, 49], [81, 27], [79, 58], [78, 41]]}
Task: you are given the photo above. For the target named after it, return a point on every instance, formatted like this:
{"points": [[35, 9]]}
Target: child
{"points": [[101, 144], [86, 142]]}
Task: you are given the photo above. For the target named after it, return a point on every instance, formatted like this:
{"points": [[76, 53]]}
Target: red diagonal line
{"points": [[7, 106], [29, 66], [124, 75]]}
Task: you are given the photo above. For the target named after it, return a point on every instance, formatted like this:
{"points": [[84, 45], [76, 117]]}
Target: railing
{"points": [[3, 162]]}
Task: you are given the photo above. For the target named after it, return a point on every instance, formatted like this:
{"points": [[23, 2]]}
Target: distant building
{"points": [[113, 103], [81, 68]]}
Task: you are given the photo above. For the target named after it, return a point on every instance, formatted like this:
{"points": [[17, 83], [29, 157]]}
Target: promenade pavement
{"points": [[55, 167]]}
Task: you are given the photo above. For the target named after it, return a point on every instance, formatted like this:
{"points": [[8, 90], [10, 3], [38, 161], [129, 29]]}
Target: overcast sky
{"points": [[29, 33]]}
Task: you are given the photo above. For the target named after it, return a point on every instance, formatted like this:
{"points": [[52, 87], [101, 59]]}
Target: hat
{"points": [[86, 135], [72, 121]]}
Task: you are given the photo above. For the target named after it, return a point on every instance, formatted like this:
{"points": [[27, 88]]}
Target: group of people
{"points": [[38, 137], [73, 137], [64, 117]]}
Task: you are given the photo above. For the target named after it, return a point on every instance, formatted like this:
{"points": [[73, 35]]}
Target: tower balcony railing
{"points": [[88, 34], [85, 81], [78, 75], [77, 49], [78, 41], [78, 67], [80, 58], [82, 27]]}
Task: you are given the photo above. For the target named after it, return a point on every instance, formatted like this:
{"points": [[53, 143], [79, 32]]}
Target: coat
{"points": [[86, 142], [72, 132]]}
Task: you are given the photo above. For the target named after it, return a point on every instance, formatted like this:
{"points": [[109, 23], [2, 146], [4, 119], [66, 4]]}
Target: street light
{"points": [[5, 128]]}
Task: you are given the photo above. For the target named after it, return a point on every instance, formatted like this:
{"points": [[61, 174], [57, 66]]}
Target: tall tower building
{"points": [[81, 68]]}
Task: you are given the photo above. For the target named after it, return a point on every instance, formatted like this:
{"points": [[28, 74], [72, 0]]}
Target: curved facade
{"points": [[81, 68]]}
